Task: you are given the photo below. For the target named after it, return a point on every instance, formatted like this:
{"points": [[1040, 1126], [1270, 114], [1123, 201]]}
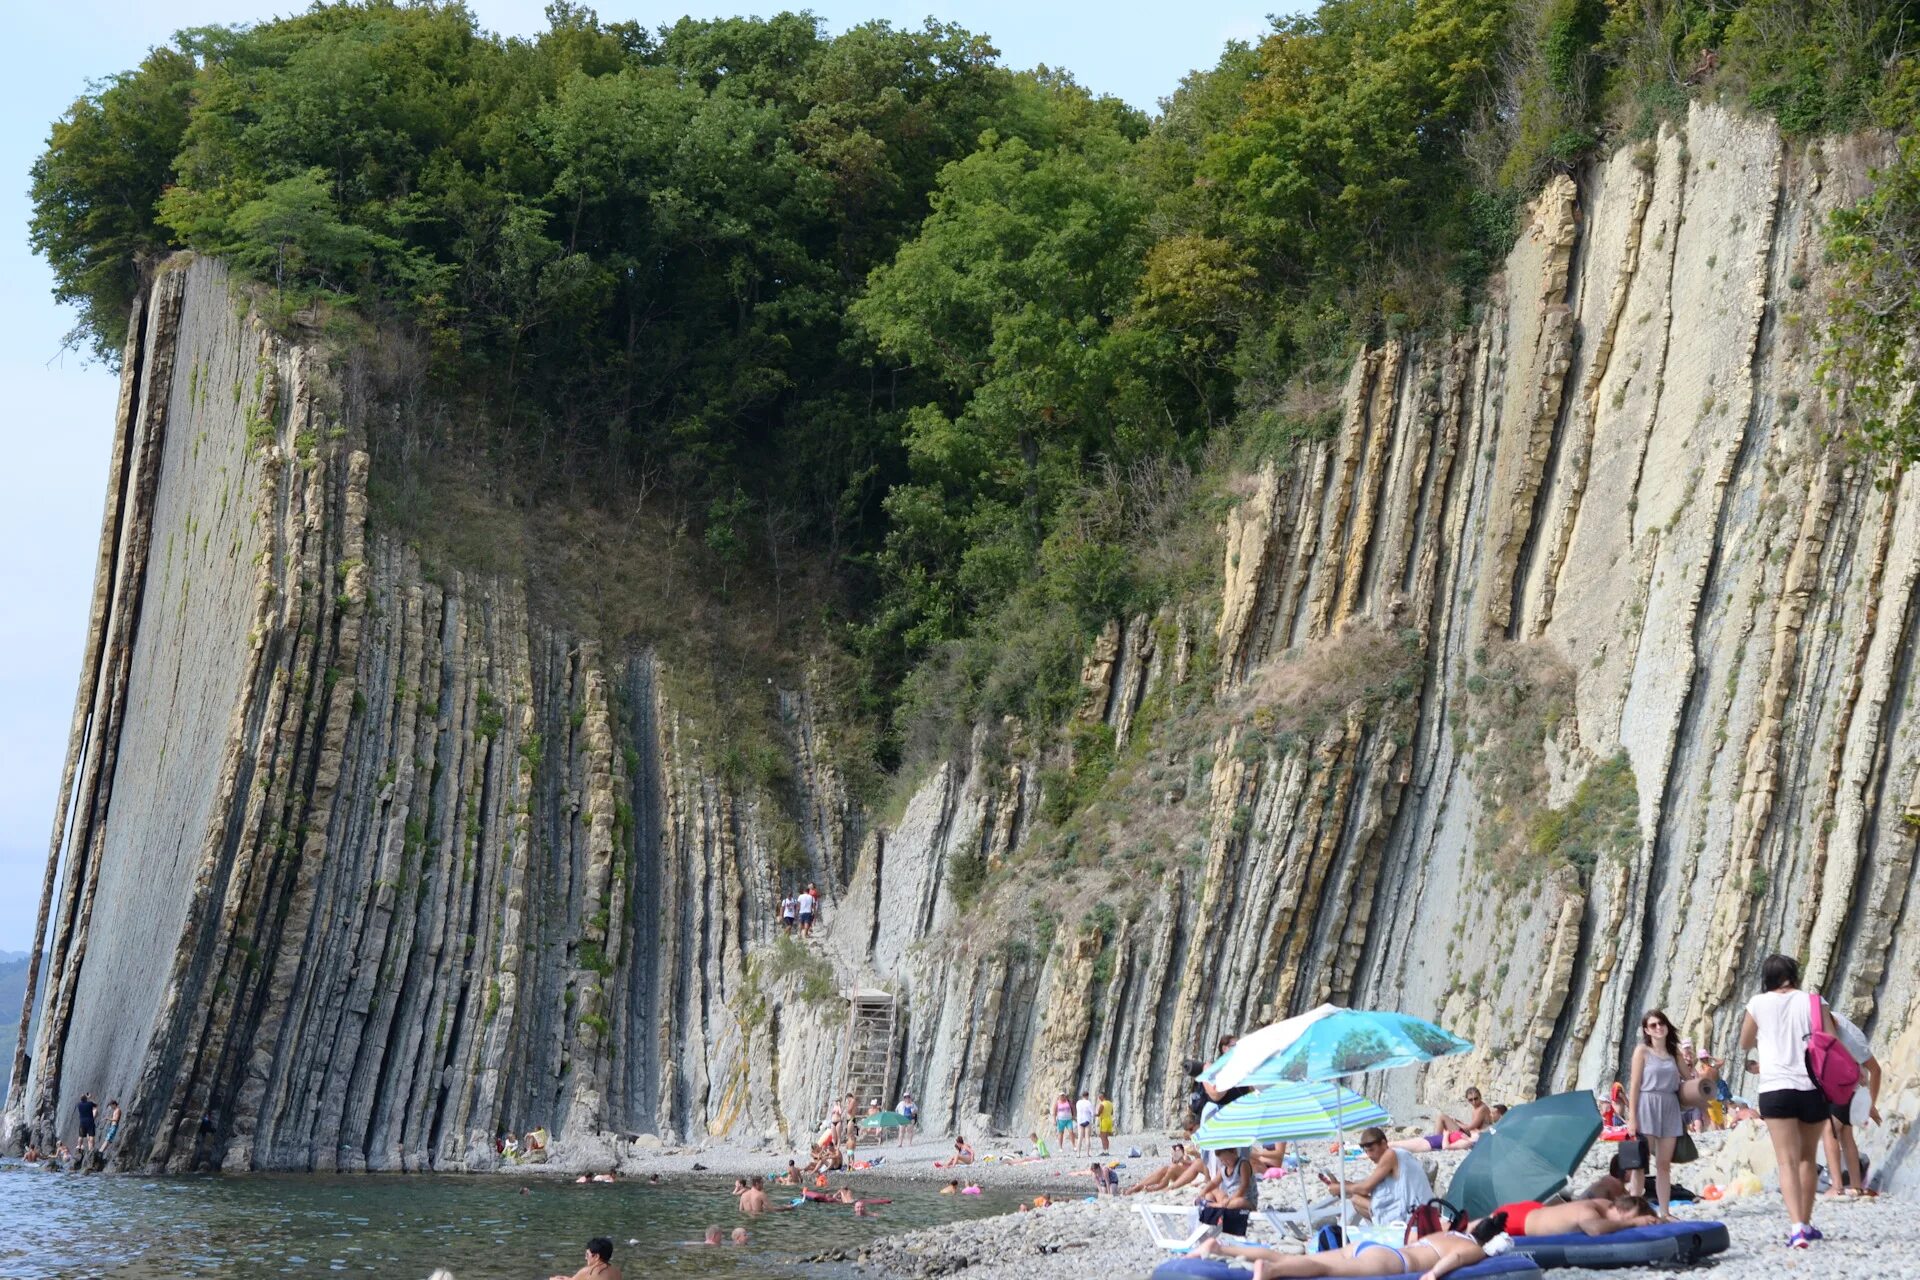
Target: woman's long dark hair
{"points": [[1673, 1036], [1778, 971]]}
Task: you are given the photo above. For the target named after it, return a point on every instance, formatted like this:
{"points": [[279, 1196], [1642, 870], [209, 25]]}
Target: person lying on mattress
{"points": [[1429, 1257], [1594, 1217]]}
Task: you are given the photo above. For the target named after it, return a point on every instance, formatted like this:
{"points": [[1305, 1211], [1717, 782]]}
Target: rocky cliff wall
{"points": [[1570, 674]]}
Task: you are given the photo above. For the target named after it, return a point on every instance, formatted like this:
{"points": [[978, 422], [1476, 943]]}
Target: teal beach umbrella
{"points": [[885, 1120], [1530, 1155], [1336, 1042]]}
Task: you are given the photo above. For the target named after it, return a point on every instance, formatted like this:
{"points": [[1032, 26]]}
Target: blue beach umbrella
{"points": [[1333, 1042]]}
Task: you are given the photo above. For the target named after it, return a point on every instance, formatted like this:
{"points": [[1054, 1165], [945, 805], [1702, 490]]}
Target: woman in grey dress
{"points": [[1653, 1104]]}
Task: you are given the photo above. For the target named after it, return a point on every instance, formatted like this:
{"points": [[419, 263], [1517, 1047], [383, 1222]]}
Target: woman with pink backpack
{"points": [[1789, 1035]]}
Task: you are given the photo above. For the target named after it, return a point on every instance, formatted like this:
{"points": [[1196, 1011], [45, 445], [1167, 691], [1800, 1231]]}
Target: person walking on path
{"points": [[1843, 1155], [1103, 1116], [1653, 1105], [1774, 1033], [787, 910], [806, 904]]}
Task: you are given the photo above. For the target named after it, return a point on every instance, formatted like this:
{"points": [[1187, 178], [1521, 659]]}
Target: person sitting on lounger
{"points": [[1396, 1186], [1591, 1217], [1178, 1172], [1430, 1257], [1230, 1193]]}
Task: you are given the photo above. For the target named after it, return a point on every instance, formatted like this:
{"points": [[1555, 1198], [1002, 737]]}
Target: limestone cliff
{"points": [[1570, 674]]}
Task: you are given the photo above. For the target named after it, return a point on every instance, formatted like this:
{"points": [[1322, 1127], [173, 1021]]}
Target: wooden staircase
{"points": [[866, 1057]]}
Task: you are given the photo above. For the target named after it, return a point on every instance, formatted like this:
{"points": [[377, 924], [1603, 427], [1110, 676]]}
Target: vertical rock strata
{"points": [[369, 863]]}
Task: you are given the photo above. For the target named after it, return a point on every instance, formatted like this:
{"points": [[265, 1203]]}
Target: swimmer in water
{"points": [[860, 1210], [713, 1235], [599, 1262], [739, 1235], [951, 1189]]}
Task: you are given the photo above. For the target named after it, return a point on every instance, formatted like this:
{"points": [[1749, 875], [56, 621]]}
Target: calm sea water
{"points": [[69, 1226]]}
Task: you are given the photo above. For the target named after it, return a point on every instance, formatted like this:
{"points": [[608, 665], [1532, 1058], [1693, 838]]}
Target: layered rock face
{"points": [[1571, 674]]}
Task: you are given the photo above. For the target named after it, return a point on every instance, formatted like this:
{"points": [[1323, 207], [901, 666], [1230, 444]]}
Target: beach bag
{"points": [[1828, 1062], [1328, 1239], [1633, 1155], [1433, 1217], [1685, 1151]]}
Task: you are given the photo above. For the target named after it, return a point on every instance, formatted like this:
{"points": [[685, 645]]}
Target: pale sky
{"points": [[59, 411]]}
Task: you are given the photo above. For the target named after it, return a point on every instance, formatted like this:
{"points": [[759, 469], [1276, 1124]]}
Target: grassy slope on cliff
{"points": [[940, 359]]}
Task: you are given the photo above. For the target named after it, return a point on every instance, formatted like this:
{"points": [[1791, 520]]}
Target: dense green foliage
{"points": [[964, 333]]}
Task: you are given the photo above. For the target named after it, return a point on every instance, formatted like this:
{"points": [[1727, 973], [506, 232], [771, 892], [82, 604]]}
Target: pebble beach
{"points": [[1077, 1236]]}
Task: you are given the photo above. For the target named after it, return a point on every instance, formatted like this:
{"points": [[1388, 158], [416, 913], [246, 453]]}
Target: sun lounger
{"points": [[1508, 1266], [1667, 1242], [1300, 1224], [1174, 1227]]}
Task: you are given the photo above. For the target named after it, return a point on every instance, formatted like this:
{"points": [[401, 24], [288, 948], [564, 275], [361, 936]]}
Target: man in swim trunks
{"points": [[1592, 1217], [88, 1110], [600, 1260]]}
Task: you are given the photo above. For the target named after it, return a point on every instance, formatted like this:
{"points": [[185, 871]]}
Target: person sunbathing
{"points": [[1593, 1217], [1430, 1256], [1178, 1172], [1271, 1156]]}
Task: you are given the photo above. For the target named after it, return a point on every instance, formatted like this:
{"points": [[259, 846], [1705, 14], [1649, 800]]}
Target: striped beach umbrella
{"points": [[1288, 1113], [1291, 1112]]}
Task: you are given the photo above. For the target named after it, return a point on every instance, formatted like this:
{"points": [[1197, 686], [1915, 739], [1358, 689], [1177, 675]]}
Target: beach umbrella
{"points": [[1530, 1155], [885, 1120], [1287, 1113], [1291, 1113], [1332, 1042], [1251, 1051]]}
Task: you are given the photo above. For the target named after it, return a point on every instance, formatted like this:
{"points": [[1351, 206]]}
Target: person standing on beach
{"points": [[1063, 1122], [1843, 1155], [910, 1110], [1654, 1113], [1083, 1130], [1774, 1032], [88, 1110], [1103, 1115]]}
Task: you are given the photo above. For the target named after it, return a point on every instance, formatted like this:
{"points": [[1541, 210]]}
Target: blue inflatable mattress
{"points": [[1512, 1266], [1669, 1242]]}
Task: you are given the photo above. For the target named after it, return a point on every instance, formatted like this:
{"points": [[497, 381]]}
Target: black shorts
{"points": [[1808, 1106], [86, 1130], [1842, 1111]]}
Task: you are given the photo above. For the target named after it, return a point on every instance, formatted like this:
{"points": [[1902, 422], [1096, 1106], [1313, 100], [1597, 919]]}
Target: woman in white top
{"points": [[1775, 1031]]}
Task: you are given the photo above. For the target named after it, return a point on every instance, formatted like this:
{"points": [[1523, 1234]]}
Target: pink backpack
{"points": [[1833, 1069]]}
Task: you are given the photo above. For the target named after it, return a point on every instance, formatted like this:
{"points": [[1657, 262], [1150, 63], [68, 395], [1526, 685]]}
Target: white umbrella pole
{"points": [[1341, 1138]]}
